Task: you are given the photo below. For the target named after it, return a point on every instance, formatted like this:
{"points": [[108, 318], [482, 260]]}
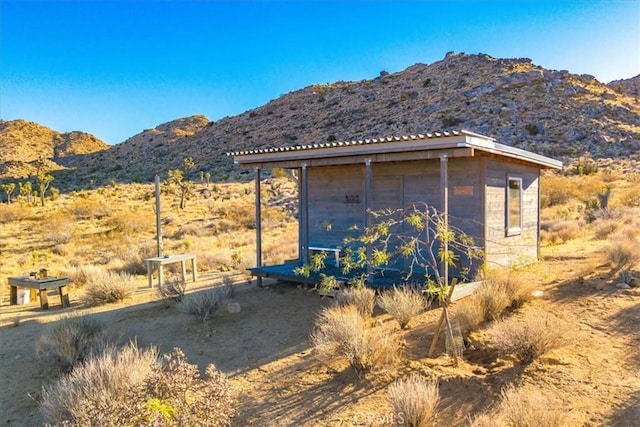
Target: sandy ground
{"points": [[278, 381]]}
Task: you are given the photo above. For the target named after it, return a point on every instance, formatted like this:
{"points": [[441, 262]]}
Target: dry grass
{"points": [[15, 212], [560, 231], [528, 406], [414, 400], [364, 299], [402, 303], [623, 251], [96, 392], [108, 287], [529, 336], [204, 304], [341, 332], [70, 341]]}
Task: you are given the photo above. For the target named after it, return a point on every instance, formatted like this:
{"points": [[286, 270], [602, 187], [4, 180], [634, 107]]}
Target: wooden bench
{"points": [[42, 285], [158, 262]]}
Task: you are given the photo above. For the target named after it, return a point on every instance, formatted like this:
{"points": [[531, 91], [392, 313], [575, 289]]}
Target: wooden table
{"points": [[170, 259], [42, 285]]}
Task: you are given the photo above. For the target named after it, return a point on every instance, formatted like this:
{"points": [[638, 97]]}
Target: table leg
{"points": [[149, 273], [13, 295], [159, 275], [64, 296], [44, 300], [194, 270], [184, 271]]}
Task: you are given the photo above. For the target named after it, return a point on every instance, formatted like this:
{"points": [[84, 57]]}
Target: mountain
{"points": [[23, 144], [555, 113]]}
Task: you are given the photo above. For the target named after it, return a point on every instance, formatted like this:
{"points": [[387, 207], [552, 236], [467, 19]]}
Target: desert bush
{"points": [[89, 208], [341, 332], [58, 227], [414, 400], [529, 406], [173, 288], [131, 223], [132, 252], [529, 336], [402, 303], [493, 298], [82, 274], [204, 304], [175, 393], [603, 228], [364, 299], [469, 315], [108, 287], [14, 212], [70, 341], [560, 231], [623, 251], [555, 190], [517, 290], [97, 392]]}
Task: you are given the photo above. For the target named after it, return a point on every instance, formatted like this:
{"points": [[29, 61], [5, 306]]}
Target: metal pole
{"points": [[158, 228], [303, 215]]}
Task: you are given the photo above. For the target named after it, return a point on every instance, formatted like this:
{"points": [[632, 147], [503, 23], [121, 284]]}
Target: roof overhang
{"points": [[389, 149]]}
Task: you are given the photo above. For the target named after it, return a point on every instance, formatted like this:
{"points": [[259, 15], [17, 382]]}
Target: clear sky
{"points": [[114, 68]]}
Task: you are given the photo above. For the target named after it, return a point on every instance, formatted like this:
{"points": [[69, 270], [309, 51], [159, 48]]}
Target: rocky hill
{"points": [[550, 112], [23, 144]]}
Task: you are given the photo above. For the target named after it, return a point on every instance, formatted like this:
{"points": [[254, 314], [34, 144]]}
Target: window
{"points": [[514, 206]]}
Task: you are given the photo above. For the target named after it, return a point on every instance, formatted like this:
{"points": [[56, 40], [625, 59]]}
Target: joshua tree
{"points": [[8, 188], [177, 178]]}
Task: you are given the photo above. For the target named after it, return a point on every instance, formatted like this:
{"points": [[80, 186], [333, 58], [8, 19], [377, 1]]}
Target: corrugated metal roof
{"points": [[382, 140]]}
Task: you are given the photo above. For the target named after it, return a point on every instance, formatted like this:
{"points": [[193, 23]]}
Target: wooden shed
{"points": [[490, 190]]}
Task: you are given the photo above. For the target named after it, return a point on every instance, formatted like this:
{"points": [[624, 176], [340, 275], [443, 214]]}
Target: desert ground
{"points": [[276, 377]]}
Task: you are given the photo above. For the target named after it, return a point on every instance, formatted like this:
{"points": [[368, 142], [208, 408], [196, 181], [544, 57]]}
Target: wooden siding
{"points": [[336, 203], [501, 249]]}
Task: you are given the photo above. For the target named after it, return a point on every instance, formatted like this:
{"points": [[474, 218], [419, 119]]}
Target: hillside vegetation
{"points": [[550, 112]]}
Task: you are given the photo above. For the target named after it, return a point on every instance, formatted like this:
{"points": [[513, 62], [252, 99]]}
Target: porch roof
{"points": [[397, 148]]}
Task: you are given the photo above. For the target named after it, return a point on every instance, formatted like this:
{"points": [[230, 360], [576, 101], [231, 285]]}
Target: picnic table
{"points": [[42, 285], [158, 262]]}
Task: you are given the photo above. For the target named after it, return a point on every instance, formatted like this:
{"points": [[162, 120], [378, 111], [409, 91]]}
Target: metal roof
{"points": [[407, 143]]}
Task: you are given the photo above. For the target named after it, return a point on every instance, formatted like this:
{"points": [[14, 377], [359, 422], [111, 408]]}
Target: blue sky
{"points": [[114, 68]]}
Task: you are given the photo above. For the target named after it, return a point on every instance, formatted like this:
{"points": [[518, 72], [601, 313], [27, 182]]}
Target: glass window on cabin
{"points": [[514, 206]]}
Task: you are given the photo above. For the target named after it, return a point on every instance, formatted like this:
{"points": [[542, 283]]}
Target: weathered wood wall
{"points": [[501, 249]]}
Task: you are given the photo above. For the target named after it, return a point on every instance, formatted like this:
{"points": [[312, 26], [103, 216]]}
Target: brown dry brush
{"points": [[402, 303], [341, 332], [131, 387], [414, 400]]}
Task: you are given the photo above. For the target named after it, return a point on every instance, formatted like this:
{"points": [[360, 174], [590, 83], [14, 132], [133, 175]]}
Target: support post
{"points": [[303, 245], [444, 187], [158, 225], [258, 225], [368, 185]]}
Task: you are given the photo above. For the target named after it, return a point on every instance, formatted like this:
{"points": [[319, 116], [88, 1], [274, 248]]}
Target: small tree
{"points": [[177, 178], [25, 190], [8, 189]]}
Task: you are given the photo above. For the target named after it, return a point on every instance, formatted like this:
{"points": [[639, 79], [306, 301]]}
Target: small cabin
{"points": [[489, 190]]}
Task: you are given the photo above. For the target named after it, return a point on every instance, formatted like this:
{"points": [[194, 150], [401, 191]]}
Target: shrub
{"points": [[402, 303], [623, 251], [70, 341], [97, 392], [342, 332], [176, 394], [82, 274], [205, 303], [518, 291], [58, 227], [529, 336], [469, 315], [414, 400], [604, 228], [14, 212], [173, 289], [363, 299], [528, 406], [108, 287], [492, 298]]}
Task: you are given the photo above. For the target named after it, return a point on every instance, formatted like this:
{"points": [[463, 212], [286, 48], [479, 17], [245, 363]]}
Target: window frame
{"points": [[513, 229]]}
